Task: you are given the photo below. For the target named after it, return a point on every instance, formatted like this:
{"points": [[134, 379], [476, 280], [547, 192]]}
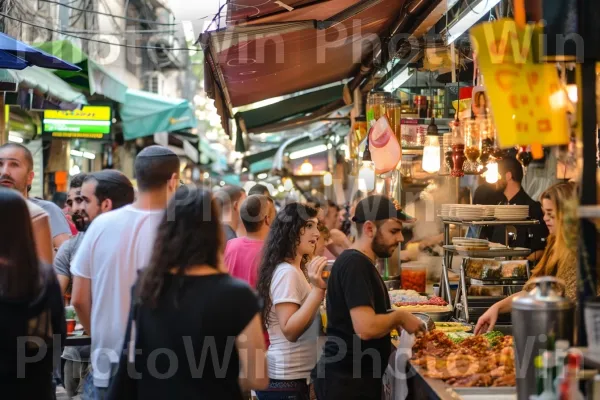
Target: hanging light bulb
{"points": [[431, 154], [491, 175], [327, 179], [366, 174], [306, 168]]}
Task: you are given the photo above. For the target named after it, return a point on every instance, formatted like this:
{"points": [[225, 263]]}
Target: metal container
{"points": [[539, 317]]}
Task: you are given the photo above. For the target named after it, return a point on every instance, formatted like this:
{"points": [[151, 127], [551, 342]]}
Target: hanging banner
{"points": [[526, 99]]}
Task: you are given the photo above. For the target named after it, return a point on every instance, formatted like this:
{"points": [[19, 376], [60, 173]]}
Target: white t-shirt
{"points": [[116, 245], [287, 360]]}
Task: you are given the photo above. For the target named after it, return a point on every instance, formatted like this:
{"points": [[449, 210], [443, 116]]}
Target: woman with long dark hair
{"points": [[291, 301], [198, 332], [31, 307]]}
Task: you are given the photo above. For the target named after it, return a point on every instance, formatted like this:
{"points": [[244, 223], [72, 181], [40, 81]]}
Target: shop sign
{"points": [[91, 122], [527, 101]]}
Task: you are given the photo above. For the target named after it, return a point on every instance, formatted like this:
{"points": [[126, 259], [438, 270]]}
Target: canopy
{"points": [[44, 82], [17, 55], [252, 121], [92, 76], [144, 114]]}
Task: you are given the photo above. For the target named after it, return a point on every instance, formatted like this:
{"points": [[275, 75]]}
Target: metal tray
{"points": [[492, 253], [481, 391]]}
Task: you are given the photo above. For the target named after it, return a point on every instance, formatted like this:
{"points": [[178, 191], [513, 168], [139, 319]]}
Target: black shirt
{"points": [[354, 282], [197, 321], [40, 318], [538, 233]]}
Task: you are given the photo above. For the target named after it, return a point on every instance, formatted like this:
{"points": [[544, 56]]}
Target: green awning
{"points": [[93, 77], [261, 166], [251, 121], [144, 114], [44, 81]]}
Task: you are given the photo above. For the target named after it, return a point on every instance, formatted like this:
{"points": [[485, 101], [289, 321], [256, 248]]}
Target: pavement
{"points": [[61, 394]]}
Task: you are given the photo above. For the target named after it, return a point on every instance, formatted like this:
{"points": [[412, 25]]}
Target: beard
{"points": [[10, 183], [81, 221], [380, 248]]}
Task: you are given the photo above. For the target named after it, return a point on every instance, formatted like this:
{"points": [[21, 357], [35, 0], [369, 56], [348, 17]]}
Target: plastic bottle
{"points": [[562, 348]]}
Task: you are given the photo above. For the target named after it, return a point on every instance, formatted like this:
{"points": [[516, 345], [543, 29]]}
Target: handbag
{"points": [[124, 385]]}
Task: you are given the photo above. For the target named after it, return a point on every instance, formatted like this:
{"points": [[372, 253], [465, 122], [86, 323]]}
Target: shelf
{"points": [[494, 222], [494, 253], [590, 212], [503, 283]]}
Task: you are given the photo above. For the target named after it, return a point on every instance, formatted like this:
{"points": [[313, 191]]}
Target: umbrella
{"points": [[18, 55]]}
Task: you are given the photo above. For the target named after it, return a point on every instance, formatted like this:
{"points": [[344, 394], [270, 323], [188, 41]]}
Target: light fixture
{"points": [[306, 168], [398, 80], [16, 139], [281, 188], [222, 183], [245, 169], [491, 175], [468, 19], [329, 146], [76, 153], [366, 174], [88, 155], [572, 93], [327, 179], [206, 175], [431, 151], [262, 176], [308, 152]]}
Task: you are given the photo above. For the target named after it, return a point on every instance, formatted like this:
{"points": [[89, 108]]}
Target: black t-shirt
{"points": [[538, 233], [354, 282], [197, 321]]}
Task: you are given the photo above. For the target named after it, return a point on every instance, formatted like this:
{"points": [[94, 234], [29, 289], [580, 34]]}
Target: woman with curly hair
{"points": [[186, 307], [291, 301]]}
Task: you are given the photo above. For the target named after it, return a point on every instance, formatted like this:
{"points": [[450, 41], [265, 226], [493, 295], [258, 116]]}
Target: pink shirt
{"points": [[242, 259]]}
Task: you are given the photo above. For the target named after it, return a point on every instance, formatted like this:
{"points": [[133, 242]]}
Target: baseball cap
{"points": [[378, 208]]}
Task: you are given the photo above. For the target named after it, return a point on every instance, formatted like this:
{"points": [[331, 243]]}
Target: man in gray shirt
{"points": [[100, 192]]}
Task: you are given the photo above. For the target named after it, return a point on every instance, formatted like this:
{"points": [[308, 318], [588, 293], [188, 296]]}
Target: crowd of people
{"points": [[189, 293]]}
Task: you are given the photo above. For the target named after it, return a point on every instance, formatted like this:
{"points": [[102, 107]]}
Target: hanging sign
{"points": [[91, 122], [526, 99]]}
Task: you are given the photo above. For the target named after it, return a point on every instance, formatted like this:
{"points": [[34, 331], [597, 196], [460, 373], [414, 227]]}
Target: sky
{"points": [[196, 14]]}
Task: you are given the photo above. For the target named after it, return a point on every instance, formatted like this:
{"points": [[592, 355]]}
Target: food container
{"points": [[514, 269], [477, 268], [414, 277], [376, 105]]}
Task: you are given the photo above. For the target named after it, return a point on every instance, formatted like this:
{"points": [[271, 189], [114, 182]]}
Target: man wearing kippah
{"points": [[358, 343], [117, 245]]}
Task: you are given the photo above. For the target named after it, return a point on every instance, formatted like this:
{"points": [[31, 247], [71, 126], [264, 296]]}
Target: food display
{"points": [[514, 269], [452, 327], [475, 361], [458, 337], [491, 270], [409, 295], [414, 278]]}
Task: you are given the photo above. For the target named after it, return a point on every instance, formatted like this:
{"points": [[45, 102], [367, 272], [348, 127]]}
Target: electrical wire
{"points": [[95, 40]]}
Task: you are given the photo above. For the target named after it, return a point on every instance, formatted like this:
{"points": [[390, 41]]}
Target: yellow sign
{"points": [[526, 99], [78, 135], [89, 113]]}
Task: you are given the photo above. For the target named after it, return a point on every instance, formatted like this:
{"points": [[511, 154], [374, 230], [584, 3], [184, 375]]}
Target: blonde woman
{"points": [[558, 259]]}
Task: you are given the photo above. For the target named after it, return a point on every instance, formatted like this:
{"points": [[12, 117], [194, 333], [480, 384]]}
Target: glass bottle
{"points": [[458, 150], [376, 104]]}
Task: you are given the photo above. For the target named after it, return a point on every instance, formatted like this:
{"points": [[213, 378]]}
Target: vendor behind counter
{"points": [[510, 191]]}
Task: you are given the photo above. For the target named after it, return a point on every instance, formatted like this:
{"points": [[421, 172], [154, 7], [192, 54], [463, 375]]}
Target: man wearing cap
{"points": [[358, 331]]}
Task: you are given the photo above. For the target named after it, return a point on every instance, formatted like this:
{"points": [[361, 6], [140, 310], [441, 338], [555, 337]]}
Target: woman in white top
{"points": [[291, 301]]}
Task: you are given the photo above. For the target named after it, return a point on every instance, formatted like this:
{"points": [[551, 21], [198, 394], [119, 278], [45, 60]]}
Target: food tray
{"points": [[491, 253], [488, 391]]}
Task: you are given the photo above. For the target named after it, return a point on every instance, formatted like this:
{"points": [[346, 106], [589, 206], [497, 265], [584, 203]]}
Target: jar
{"points": [[414, 277], [393, 111], [376, 104], [458, 150], [487, 139], [421, 106], [359, 131], [449, 163]]}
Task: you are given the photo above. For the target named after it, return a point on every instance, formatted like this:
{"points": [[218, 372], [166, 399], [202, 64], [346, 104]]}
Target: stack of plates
{"points": [[470, 244], [469, 212], [490, 211], [445, 212], [511, 213]]}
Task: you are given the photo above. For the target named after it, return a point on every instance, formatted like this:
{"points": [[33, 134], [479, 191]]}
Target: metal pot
{"points": [[539, 318]]}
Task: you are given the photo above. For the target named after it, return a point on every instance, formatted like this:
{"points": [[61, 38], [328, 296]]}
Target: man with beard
{"points": [[358, 343], [16, 172], [100, 192]]}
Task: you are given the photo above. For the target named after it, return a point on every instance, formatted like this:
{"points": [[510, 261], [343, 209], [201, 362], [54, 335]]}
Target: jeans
{"points": [[91, 392], [285, 390]]}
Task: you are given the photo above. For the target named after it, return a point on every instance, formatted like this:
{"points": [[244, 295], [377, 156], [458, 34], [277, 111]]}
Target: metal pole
{"points": [[587, 243]]}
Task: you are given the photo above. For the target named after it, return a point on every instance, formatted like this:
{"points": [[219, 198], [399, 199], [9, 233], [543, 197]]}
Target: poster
{"points": [[526, 99]]}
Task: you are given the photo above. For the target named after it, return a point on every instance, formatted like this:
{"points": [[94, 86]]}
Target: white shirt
{"points": [[116, 245], [287, 360]]}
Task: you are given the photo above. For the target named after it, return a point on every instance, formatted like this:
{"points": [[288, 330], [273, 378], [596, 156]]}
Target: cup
{"points": [[327, 270], [70, 326]]}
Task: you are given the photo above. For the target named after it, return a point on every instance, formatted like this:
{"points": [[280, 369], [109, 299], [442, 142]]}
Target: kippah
{"points": [[156, 151], [111, 175]]}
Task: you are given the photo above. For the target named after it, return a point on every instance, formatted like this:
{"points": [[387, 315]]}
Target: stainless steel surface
{"points": [[536, 315], [440, 316], [490, 223], [492, 253], [474, 391], [591, 314], [426, 319]]}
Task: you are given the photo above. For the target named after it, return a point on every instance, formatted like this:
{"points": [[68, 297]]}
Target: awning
{"points": [[93, 77], [252, 121], [144, 114], [43, 81], [17, 55]]}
